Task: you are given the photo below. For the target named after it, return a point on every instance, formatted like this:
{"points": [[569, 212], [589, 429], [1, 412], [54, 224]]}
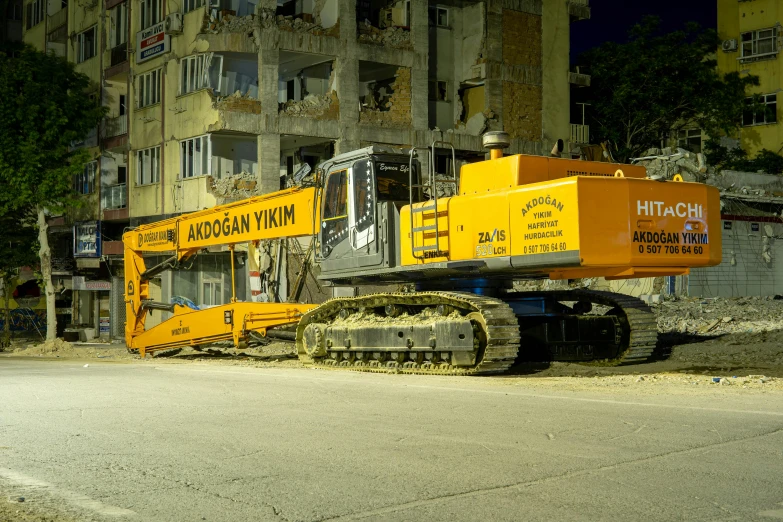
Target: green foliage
{"points": [[44, 107], [737, 159], [654, 84], [18, 248]]}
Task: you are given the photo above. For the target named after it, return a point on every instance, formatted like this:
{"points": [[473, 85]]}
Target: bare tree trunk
{"points": [[45, 255], [7, 314]]}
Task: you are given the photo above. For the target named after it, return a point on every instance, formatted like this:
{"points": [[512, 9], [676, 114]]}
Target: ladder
{"points": [[420, 251]]}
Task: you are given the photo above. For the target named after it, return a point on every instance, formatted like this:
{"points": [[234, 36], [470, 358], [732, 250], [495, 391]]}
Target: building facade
{"points": [[750, 33], [212, 101]]}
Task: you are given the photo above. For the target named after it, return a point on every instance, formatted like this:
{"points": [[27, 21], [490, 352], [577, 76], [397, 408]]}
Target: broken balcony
{"points": [[306, 86], [380, 23], [384, 94], [579, 10], [234, 81], [308, 16], [299, 155]]}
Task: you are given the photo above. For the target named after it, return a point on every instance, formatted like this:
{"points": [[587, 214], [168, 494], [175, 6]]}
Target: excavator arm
{"points": [[284, 214]]}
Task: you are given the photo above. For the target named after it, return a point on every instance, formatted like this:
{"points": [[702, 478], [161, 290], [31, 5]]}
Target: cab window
{"points": [[334, 223]]}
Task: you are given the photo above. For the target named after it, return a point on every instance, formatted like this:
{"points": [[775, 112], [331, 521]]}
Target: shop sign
{"points": [[152, 42], [79, 283], [87, 239]]}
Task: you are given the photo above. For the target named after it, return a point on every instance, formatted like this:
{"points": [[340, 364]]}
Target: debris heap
{"points": [[666, 163], [396, 37]]}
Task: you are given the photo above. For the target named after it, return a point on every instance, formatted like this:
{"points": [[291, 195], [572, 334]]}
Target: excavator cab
{"points": [[363, 192]]}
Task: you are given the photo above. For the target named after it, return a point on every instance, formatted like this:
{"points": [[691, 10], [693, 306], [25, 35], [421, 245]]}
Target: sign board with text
{"points": [[87, 239], [151, 42]]}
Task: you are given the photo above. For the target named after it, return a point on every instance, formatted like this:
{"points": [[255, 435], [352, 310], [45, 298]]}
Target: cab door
{"points": [[361, 199]]}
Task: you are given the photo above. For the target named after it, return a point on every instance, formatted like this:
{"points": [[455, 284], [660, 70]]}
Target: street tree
{"points": [[656, 84], [18, 249], [44, 110]]}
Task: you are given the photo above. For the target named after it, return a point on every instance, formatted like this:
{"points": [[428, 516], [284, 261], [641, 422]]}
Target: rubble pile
{"points": [[237, 102], [265, 19], [234, 188], [313, 105], [396, 37], [665, 163], [231, 24], [716, 316], [398, 108]]}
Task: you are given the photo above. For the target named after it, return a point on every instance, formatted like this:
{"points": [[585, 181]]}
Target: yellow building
{"points": [[750, 33], [212, 101]]}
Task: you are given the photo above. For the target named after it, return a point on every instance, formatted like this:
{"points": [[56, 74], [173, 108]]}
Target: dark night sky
{"points": [[611, 19]]}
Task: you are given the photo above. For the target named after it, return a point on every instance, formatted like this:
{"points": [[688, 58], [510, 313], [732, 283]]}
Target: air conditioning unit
{"points": [[173, 23], [729, 45]]}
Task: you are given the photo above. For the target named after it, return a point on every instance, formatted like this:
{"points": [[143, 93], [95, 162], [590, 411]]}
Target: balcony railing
{"points": [[580, 133], [119, 54], [579, 79], [579, 9], [114, 197], [115, 126], [58, 19]]}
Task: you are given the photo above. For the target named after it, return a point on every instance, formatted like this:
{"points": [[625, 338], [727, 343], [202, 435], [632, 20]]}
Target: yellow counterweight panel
{"points": [[583, 227]]}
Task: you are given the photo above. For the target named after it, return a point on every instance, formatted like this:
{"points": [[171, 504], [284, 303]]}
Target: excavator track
{"points": [[639, 321], [496, 332]]}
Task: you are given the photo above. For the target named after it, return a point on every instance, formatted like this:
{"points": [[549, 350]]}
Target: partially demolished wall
{"points": [[398, 113]]}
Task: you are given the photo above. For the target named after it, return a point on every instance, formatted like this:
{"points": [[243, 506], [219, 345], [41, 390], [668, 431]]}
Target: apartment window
{"points": [[84, 182], [123, 108], [759, 43], [150, 12], [760, 110], [86, 45], [15, 11], [194, 156], [191, 5], [439, 16], [191, 71], [438, 90], [148, 166], [689, 139], [149, 88], [119, 25], [35, 13]]}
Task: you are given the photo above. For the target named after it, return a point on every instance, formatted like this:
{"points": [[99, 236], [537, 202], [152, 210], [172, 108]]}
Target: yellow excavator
{"points": [[375, 218]]}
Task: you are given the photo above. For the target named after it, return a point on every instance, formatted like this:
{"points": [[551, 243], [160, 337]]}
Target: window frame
{"points": [[765, 100], [84, 182], [150, 13], [118, 16], [434, 91], [80, 44], [191, 5], [188, 162], [752, 40], [151, 94], [192, 75], [154, 166], [36, 12]]}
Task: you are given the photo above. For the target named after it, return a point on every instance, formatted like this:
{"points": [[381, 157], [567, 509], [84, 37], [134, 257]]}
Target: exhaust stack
{"points": [[495, 141]]}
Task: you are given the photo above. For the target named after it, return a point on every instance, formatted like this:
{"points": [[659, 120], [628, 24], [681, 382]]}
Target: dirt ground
{"points": [[704, 342]]}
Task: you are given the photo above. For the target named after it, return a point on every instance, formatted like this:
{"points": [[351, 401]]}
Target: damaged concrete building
{"points": [[216, 101]]}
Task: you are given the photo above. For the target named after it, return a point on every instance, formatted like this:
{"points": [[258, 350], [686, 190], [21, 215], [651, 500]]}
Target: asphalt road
{"points": [[149, 441]]}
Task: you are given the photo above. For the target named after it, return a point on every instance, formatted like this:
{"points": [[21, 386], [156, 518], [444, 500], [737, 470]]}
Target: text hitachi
{"points": [[661, 209]]}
